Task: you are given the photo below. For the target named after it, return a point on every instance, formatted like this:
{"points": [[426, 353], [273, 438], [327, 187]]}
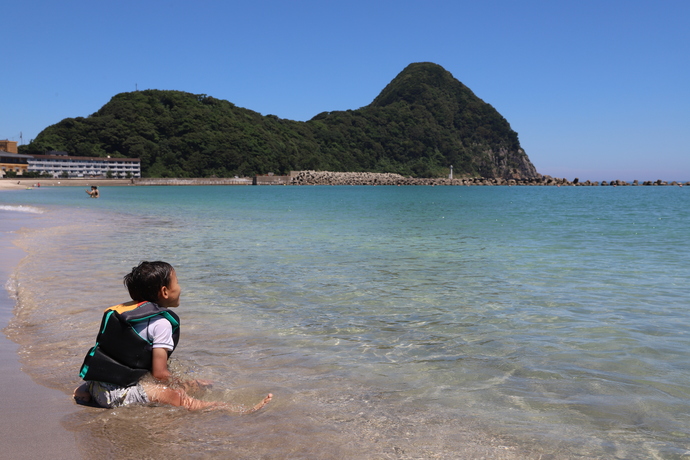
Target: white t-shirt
{"points": [[158, 331]]}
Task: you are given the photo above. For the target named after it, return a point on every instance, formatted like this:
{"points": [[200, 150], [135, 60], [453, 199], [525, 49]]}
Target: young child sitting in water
{"points": [[136, 338]]}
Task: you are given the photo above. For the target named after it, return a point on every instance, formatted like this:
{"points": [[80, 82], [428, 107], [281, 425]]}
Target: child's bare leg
{"points": [[194, 386], [180, 398], [81, 394], [175, 397]]}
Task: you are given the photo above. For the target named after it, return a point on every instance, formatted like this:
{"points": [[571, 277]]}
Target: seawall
{"points": [[365, 178], [326, 178]]}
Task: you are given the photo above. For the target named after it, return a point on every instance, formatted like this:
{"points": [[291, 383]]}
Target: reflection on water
{"points": [[388, 322]]}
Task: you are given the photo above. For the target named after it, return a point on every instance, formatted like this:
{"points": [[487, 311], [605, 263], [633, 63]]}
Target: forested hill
{"points": [[422, 122]]}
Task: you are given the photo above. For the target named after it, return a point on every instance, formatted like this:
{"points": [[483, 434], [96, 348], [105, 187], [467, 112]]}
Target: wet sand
{"points": [[32, 415]]}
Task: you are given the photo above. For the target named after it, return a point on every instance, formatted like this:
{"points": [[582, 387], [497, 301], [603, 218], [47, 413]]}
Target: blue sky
{"points": [[598, 90]]}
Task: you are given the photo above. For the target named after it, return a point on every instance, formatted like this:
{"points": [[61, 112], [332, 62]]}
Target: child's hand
{"points": [[204, 384], [194, 385]]}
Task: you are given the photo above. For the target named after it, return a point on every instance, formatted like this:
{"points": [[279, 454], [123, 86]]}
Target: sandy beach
{"points": [[32, 415], [19, 183], [8, 184]]}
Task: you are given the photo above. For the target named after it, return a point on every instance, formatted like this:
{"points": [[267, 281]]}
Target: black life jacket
{"points": [[121, 356]]}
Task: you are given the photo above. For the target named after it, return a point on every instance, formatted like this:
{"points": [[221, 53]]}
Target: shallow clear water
{"points": [[390, 322]]}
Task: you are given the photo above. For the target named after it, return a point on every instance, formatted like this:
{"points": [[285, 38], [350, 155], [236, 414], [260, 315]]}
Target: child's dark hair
{"points": [[146, 280]]}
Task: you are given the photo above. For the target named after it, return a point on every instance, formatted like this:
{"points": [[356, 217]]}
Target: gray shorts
{"points": [[110, 395]]}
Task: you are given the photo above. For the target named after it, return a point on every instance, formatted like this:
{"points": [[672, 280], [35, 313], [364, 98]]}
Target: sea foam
{"points": [[20, 208]]}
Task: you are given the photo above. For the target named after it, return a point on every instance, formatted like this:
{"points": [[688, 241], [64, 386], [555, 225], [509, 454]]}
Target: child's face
{"points": [[169, 296]]}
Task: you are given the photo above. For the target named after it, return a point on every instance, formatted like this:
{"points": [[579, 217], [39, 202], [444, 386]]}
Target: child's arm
{"points": [[160, 372], [159, 369]]}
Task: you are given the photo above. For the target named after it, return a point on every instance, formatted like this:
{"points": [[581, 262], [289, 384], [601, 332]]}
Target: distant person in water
{"points": [[93, 193], [129, 364]]}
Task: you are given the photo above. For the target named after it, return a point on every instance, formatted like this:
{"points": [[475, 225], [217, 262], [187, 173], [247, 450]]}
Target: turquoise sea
{"points": [[389, 322]]}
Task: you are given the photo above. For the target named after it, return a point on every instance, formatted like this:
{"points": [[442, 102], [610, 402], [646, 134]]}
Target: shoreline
{"points": [[32, 422], [298, 178], [17, 183], [94, 428]]}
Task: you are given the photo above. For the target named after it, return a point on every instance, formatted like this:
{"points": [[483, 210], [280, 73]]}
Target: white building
{"points": [[59, 163]]}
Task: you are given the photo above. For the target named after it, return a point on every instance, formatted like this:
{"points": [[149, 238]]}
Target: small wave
{"points": [[20, 208], [12, 288]]}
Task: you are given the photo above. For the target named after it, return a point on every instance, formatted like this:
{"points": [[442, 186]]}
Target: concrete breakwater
{"points": [[102, 182], [324, 178], [366, 178]]}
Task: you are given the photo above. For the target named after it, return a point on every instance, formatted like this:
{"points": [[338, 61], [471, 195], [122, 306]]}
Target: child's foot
{"points": [[81, 394], [265, 401], [241, 409]]}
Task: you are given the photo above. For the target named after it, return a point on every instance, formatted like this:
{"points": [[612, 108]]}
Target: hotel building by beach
{"points": [[10, 160], [13, 162], [8, 146], [59, 164]]}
